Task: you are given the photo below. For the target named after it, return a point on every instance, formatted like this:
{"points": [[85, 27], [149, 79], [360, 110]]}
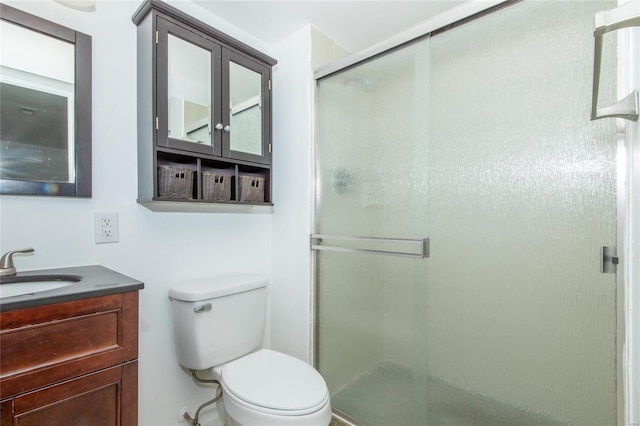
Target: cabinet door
{"points": [[188, 95], [108, 397], [246, 115]]}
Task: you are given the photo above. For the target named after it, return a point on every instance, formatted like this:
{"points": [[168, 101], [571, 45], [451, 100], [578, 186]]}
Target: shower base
{"points": [[389, 395]]}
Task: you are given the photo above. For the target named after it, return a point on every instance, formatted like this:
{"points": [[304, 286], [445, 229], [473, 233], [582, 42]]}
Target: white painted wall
{"points": [[160, 249], [292, 312], [292, 132]]}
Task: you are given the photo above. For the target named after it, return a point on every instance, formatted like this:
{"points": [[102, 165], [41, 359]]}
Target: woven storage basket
{"points": [[216, 185], [252, 188], [175, 182]]}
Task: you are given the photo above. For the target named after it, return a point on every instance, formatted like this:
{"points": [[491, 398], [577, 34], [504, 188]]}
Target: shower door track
{"points": [[437, 25]]}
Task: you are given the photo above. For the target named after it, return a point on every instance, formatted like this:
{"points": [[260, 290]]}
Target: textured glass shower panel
{"points": [[369, 353], [371, 180], [522, 197], [485, 142], [371, 146]]}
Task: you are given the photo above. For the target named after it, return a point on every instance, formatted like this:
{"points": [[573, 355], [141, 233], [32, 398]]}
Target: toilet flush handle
{"points": [[202, 308]]}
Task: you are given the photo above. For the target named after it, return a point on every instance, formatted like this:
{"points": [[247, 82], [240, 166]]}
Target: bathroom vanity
{"points": [[69, 355]]}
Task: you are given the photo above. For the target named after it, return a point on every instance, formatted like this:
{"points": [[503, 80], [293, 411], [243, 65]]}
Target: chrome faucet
{"points": [[6, 262]]}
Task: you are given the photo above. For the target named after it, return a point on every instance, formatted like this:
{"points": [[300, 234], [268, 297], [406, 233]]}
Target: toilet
{"points": [[219, 326]]}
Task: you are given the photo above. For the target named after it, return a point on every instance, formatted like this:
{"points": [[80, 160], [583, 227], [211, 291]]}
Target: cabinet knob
{"points": [[219, 126], [227, 128]]}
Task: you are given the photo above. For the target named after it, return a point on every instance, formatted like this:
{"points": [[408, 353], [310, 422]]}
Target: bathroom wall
{"points": [[298, 54], [292, 192], [160, 249]]}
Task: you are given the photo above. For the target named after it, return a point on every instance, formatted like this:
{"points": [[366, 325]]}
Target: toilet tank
{"points": [[219, 319]]}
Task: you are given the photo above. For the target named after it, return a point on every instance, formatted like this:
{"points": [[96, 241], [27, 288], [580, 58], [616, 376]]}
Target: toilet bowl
{"points": [[268, 388], [219, 326]]}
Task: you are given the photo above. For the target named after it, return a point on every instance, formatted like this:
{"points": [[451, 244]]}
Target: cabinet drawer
{"points": [[48, 344]]}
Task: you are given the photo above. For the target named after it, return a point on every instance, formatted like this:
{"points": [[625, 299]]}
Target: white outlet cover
{"points": [[106, 233]]}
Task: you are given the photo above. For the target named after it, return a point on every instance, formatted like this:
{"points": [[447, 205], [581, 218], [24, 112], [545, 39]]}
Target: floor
{"points": [[337, 422], [386, 396]]}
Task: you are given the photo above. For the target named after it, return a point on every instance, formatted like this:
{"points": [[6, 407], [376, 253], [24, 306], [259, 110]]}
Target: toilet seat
{"points": [[274, 383]]}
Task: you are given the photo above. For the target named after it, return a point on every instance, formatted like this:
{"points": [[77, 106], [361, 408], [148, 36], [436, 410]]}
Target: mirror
{"points": [[246, 109], [189, 91], [45, 105]]}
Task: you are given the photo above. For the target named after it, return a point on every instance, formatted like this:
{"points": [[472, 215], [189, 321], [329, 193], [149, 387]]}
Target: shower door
{"points": [[372, 178], [478, 138]]}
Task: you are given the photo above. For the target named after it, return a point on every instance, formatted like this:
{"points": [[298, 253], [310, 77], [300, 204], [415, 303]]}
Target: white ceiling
{"points": [[354, 24]]}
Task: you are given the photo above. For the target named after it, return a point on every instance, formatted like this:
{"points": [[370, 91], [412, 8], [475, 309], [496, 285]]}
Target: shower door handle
{"points": [[625, 16], [609, 260], [422, 245]]}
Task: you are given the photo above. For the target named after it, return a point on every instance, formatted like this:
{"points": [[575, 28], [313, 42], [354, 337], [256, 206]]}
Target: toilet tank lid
{"points": [[210, 288]]}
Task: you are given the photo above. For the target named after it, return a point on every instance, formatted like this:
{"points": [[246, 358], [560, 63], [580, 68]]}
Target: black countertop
{"points": [[96, 281]]}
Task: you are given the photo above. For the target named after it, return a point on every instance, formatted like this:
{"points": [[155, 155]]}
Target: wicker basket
{"points": [[252, 188], [175, 182], [216, 185]]}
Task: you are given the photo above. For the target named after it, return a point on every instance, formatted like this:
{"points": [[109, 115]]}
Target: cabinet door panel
{"points": [[90, 400], [247, 113], [188, 90]]}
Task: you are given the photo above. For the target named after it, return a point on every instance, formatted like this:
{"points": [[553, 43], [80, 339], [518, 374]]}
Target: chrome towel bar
{"points": [[422, 245], [625, 16]]}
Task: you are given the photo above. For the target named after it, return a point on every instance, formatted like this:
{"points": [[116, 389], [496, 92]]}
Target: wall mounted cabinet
{"points": [[204, 115]]}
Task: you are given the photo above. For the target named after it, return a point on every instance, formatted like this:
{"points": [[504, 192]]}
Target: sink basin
{"points": [[30, 284]]}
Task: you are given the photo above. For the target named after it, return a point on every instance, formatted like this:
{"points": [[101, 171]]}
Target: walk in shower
{"points": [[478, 138]]}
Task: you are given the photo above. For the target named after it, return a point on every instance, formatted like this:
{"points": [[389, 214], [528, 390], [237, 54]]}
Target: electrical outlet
{"points": [[106, 228]]}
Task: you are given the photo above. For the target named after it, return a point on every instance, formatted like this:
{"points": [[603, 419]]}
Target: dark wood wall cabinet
{"points": [[71, 363], [204, 115]]}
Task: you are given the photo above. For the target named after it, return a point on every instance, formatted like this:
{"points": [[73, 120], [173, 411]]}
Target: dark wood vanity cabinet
{"points": [[204, 112], [71, 363]]}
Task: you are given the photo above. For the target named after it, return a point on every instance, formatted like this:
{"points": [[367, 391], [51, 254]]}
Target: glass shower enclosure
{"points": [[479, 139]]}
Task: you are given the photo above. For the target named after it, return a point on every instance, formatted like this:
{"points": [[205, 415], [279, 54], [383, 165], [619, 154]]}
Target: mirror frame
{"points": [[82, 155]]}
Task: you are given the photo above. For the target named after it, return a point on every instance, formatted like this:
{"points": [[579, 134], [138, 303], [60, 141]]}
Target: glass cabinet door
{"points": [[246, 117], [188, 88]]}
